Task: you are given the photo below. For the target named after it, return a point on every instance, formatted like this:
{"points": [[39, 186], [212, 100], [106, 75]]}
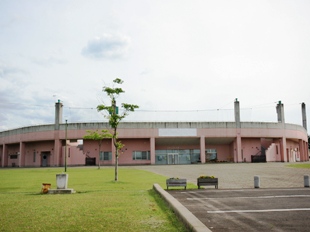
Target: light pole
{"points": [[66, 147]]}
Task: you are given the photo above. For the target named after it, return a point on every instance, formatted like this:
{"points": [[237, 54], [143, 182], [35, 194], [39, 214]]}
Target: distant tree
{"points": [[115, 117], [98, 136]]}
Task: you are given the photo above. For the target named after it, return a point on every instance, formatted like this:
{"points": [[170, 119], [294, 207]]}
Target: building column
{"points": [[280, 112], [302, 150], [202, 149], [58, 114], [152, 150], [307, 151], [4, 155], [238, 156], [237, 113], [22, 154], [283, 149], [304, 116], [304, 147], [57, 154]]}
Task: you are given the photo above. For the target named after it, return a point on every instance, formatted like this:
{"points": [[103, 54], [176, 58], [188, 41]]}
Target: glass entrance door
{"points": [[173, 158]]}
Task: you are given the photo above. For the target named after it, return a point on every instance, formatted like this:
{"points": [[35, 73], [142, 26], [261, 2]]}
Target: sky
{"points": [[179, 60]]}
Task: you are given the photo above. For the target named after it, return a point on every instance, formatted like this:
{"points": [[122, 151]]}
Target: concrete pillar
{"points": [[256, 182], [152, 150], [4, 155], [22, 154], [238, 156], [301, 150], [202, 149], [306, 181], [237, 113], [62, 181], [306, 151], [58, 114], [283, 149], [238, 149], [280, 112], [57, 153], [304, 116]]}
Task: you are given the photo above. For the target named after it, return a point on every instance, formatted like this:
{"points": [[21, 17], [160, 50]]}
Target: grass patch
{"points": [[299, 166], [100, 204]]}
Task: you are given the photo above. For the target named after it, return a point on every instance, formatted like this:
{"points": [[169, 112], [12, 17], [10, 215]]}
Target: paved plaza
{"points": [[236, 175]]}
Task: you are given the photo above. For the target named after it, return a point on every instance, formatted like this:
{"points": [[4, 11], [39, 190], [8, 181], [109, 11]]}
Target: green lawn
{"points": [[99, 204], [307, 165]]}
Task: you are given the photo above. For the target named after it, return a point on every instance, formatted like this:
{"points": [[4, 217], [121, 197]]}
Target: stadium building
{"points": [[157, 143]]}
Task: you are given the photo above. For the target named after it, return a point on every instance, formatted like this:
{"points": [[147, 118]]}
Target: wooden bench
{"points": [[176, 183], [207, 182]]}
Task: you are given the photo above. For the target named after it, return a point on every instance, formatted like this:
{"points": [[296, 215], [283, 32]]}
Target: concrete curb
{"points": [[189, 219]]}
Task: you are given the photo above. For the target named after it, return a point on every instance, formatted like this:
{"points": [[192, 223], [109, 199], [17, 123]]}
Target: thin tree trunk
{"points": [[116, 156], [116, 165]]}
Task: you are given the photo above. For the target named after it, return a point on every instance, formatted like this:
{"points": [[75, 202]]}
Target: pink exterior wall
{"points": [[12, 149], [75, 155], [231, 143], [38, 148], [134, 145], [177, 147], [250, 147], [91, 149], [223, 151]]}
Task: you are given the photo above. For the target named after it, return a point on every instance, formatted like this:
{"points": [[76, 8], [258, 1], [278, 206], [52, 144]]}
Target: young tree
{"points": [[114, 117], [98, 136]]}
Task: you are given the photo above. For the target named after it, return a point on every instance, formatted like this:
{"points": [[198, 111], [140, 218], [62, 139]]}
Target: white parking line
{"points": [[258, 211], [209, 198]]}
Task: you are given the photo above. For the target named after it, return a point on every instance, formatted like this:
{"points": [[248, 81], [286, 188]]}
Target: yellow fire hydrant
{"points": [[45, 187]]}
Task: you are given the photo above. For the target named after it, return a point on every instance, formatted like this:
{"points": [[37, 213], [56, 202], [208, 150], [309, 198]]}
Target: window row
{"points": [[136, 155]]}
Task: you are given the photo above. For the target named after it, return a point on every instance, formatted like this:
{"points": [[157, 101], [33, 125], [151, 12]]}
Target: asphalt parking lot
{"points": [[282, 203], [249, 209]]}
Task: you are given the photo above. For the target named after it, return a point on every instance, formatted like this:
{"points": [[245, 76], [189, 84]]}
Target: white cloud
{"points": [[107, 46], [8, 70], [49, 61], [186, 58]]}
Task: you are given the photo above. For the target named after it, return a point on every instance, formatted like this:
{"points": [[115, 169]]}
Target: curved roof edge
{"points": [[154, 125]]}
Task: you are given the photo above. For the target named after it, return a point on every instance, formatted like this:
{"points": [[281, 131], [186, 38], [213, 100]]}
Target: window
{"points": [[13, 156], [34, 156], [211, 155], [105, 155], [141, 155]]}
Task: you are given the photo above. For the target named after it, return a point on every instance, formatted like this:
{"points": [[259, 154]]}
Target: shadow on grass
{"points": [[172, 217]]}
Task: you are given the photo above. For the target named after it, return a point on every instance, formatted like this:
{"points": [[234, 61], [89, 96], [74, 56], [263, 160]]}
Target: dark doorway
{"points": [[45, 157], [89, 161]]}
